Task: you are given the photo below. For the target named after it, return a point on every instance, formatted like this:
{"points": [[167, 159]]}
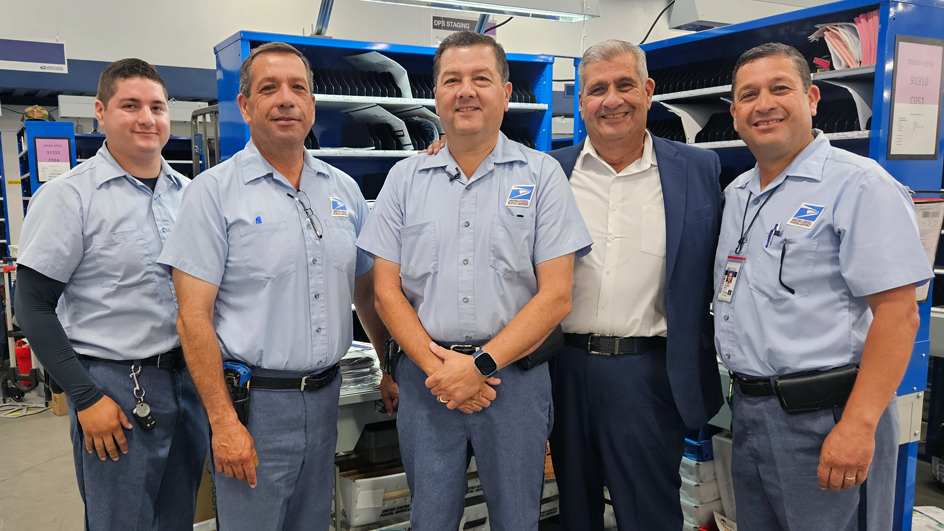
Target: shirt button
{"points": [[317, 295], [727, 356], [318, 329], [725, 317], [612, 237], [465, 299], [468, 337], [163, 230], [607, 271], [468, 187], [604, 306], [466, 223], [465, 262], [755, 201], [314, 260]]}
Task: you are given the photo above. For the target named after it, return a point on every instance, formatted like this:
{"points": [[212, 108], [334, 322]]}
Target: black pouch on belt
{"points": [[391, 356], [820, 390], [237, 376], [548, 349]]}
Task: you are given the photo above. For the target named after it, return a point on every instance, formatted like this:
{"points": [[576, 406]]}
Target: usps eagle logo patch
{"points": [[338, 208], [806, 216], [520, 195]]}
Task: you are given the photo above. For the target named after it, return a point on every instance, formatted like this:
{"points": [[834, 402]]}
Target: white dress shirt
{"points": [[619, 288]]}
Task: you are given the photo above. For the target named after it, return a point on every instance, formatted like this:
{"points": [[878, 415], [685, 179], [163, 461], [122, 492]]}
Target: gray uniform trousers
{"points": [[154, 486], [295, 434], [509, 439], [776, 456]]}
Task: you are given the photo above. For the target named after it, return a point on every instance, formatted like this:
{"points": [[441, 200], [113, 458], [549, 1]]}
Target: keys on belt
{"points": [[312, 382], [614, 346]]}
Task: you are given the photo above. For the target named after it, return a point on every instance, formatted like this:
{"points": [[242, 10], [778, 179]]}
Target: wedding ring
{"points": [[848, 478], [441, 401]]}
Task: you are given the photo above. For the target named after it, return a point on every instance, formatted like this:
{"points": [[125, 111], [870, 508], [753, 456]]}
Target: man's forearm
{"points": [[367, 314], [406, 328], [205, 362], [885, 358]]}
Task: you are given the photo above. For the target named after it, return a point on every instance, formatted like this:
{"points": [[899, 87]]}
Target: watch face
{"points": [[485, 364]]}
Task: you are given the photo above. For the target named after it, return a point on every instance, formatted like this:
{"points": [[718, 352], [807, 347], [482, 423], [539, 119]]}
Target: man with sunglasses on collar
{"points": [[265, 270], [815, 311]]}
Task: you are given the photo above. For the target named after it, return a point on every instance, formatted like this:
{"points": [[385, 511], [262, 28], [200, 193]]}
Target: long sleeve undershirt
{"points": [[36, 298]]}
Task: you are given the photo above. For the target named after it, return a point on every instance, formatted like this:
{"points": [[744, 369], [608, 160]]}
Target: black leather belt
{"points": [[171, 360], [614, 346], [755, 386], [313, 382]]}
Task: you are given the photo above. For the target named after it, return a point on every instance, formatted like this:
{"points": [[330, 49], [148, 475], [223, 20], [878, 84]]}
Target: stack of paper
{"points": [[360, 369], [851, 44]]}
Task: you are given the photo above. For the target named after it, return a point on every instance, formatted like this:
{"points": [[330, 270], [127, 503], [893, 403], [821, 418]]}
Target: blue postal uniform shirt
{"points": [[849, 230], [284, 300], [467, 247], [88, 229]]}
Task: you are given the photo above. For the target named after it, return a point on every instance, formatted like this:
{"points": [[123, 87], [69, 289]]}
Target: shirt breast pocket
{"points": [[653, 231], [510, 243], [341, 236], [772, 279], [123, 258], [419, 251], [267, 250]]}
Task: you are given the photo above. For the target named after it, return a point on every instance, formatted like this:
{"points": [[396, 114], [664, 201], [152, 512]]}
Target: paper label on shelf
{"points": [[17, 182], [930, 216], [53, 158], [916, 106]]}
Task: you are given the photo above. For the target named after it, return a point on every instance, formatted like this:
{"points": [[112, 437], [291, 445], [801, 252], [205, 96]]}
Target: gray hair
{"points": [[775, 49], [245, 71], [609, 50], [467, 39]]}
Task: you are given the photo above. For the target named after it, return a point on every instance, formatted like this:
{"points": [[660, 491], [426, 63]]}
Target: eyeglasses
{"points": [[313, 220]]}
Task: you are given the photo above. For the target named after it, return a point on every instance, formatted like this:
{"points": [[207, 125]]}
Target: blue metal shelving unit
{"points": [[5, 243], [914, 18], [26, 137], [535, 71]]}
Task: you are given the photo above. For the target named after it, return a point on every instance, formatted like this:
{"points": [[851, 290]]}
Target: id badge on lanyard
{"points": [[732, 270]]}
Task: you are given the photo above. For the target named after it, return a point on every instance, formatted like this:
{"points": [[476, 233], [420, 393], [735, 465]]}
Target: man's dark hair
{"points": [[775, 49], [245, 71], [125, 69], [465, 39]]}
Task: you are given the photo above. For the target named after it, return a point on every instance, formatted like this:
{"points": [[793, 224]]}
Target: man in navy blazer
{"points": [[639, 365]]}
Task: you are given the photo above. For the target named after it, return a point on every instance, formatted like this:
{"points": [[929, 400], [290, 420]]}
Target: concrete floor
{"points": [[38, 487]]}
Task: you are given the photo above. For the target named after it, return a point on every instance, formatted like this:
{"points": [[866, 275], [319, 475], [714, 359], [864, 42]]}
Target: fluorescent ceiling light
{"points": [[562, 10]]}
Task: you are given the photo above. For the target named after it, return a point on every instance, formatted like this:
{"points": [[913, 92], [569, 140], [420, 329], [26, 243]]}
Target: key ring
{"points": [[137, 386]]}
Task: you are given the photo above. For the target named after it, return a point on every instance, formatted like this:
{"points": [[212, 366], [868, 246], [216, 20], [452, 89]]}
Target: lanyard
{"points": [[743, 239]]}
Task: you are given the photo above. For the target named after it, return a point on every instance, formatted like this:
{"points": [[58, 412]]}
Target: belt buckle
{"points": [[616, 349], [304, 383], [462, 349]]}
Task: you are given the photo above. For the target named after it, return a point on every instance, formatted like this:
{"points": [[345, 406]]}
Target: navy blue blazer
{"points": [[693, 202]]}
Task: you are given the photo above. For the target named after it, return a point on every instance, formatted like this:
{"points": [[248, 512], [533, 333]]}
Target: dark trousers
{"points": [[616, 423], [154, 486]]}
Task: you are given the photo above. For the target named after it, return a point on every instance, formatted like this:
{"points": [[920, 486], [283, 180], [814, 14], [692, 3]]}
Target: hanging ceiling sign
{"points": [[32, 56]]}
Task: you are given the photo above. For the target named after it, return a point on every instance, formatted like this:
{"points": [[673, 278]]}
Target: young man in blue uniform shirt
{"points": [[815, 272], [474, 246], [92, 237], [266, 271]]}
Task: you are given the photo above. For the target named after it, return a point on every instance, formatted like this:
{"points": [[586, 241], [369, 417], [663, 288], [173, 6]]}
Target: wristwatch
{"points": [[484, 363]]}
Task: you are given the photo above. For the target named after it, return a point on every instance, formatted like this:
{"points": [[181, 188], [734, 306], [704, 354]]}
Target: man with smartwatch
{"points": [[815, 311], [474, 253]]}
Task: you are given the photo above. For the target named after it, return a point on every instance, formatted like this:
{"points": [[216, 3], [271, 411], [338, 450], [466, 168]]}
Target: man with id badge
{"points": [[266, 270], [89, 245], [815, 311], [474, 250]]}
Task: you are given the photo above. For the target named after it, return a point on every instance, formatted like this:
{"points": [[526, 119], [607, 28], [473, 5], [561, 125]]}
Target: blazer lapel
{"points": [[673, 176]]}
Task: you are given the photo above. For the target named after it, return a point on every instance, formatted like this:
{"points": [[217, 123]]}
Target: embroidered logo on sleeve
{"points": [[520, 195], [338, 208], [806, 216]]}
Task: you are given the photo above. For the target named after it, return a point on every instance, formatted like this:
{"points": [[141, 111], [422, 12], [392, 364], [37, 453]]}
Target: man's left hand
{"points": [[846, 455], [458, 379]]}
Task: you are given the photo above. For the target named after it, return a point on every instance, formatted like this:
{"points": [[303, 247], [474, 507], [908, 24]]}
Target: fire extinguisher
{"points": [[24, 360]]}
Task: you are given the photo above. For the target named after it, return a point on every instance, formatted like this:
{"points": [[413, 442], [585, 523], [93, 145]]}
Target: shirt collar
{"points": [[108, 169], [504, 151], [254, 166], [641, 164], [808, 164]]}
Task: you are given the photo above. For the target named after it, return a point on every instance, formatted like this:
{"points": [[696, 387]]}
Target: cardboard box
{"points": [[548, 464], [697, 471], [206, 496], [59, 404], [724, 445], [694, 492], [367, 497]]}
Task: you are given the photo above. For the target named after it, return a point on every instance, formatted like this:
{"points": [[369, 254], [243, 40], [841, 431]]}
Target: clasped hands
{"points": [[458, 383]]}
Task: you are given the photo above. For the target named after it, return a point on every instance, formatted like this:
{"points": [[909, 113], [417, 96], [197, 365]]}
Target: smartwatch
{"points": [[484, 363]]}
